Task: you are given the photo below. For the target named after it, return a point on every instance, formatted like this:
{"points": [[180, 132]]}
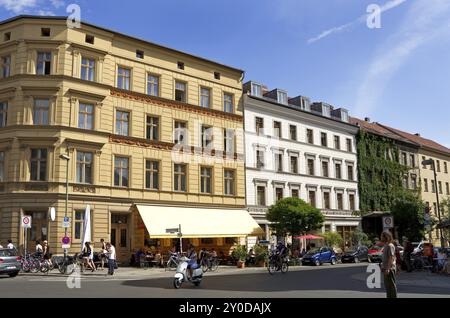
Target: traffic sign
{"points": [[26, 221], [66, 222], [172, 230], [65, 240], [65, 246], [388, 222]]}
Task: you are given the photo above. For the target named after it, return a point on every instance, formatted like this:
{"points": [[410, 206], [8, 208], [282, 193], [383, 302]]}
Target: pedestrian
{"points": [[407, 250], [46, 252], [87, 253], [10, 245], [388, 266], [111, 258], [39, 249], [103, 252]]}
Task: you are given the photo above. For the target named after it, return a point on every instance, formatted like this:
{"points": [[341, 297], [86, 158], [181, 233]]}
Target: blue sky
{"points": [[398, 74]]}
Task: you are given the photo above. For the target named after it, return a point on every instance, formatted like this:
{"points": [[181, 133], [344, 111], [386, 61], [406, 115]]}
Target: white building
{"points": [[295, 148]]}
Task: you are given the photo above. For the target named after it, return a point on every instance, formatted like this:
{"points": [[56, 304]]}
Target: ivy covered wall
{"points": [[380, 172]]}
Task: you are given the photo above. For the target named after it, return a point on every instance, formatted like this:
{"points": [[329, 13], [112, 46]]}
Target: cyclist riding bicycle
{"points": [[280, 252]]}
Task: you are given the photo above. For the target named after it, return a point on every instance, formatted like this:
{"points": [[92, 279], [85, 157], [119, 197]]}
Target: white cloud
{"points": [[18, 6], [362, 19], [425, 21], [57, 3], [45, 12]]}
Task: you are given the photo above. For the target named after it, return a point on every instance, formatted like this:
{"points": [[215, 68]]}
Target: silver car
{"points": [[9, 262]]}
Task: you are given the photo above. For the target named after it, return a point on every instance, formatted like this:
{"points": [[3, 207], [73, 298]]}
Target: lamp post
{"points": [[431, 162], [67, 158]]}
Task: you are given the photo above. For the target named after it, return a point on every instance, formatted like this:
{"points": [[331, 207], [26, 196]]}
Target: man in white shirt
{"points": [[111, 258], [10, 245], [39, 249]]}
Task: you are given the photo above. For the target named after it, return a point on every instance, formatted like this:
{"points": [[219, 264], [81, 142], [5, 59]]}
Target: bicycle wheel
{"points": [[205, 266], [214, 265], [35, 265], [272, 267], [284, 267]]}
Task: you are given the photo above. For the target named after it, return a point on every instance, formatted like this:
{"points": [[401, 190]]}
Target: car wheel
{"points": [[356, 259], [13, 274], [333, 261], [317, 262]]}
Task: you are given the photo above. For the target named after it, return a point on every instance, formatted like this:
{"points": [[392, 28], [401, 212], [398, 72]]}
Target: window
{"points": [[152, 85], [152, 128], [351, 201], [259, 125], [438, 166], [179, 177], [326, 200], [38, 169], [404, 159], [445, 167], [294, 193], [180, 65], [87, 69], [277, 129], [180, 133], [440, 187], [349, 145], [123, 78], [325, 169], [350, 172], [278, 194], [227, 103], [180, 92], [278, 162], [294, 164], [311, 167], [425, 185], [447, 187], [205, 94], [217, 75], [413, 182], [433, 188], [122, 121], [256, 90], [43, 65], [152, 174], [121, 171], [309, 136], [6, 66], [405, 182], [312, 198], [282, 98], [2, 166], [261, 196], [205, 180], [259, 159], [45, 31], [338, 171], [293, 132], [40, 111], [89, 39], [337, 142], [323, 139], [229, 176], [7, 36], [79, 225], [228, 140], [207, 132], [86, 116], [139, 54], [3, 114], [423, 165], [340, 203], [84, 167], [412, 160]]}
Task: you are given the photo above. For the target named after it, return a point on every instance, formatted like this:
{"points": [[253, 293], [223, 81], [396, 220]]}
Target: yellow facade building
{"points": [[117, 106]]}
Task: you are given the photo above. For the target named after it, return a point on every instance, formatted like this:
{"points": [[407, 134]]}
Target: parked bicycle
{"points": [[209, 263], [173, 261]]}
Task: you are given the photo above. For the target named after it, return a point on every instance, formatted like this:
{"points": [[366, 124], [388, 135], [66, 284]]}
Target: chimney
{"points": [[367, 119], [417, 134]]}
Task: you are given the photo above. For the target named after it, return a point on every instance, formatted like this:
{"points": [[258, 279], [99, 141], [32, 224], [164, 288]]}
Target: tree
{"points": [[445, 216], [408, 213], [360, 238], [294, 216], [333, 239]]}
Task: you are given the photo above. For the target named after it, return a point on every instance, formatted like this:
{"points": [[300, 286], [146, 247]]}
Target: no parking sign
{"points": [[388, 222], [26, 221]]}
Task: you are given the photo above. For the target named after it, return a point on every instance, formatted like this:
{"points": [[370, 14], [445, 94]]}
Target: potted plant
{"points": [[261, 255], [240, 254]]}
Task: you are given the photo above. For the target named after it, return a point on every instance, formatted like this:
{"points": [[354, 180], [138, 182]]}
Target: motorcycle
{"points": [[182, 273]]}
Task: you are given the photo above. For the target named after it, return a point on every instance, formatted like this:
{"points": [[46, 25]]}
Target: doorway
{"points": [[120, 236], [38, 230]]}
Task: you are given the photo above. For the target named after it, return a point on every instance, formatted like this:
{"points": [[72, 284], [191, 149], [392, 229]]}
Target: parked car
{"points": [[318, 256], [356, 255], [9, 262], [375, 253]]}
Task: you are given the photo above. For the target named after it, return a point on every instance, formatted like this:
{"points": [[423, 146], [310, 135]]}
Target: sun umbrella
{"points": [[309, 237], [87, 226]]}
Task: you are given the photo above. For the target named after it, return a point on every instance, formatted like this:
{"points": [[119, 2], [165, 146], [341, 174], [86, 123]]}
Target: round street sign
{"points": [[65, 240]]}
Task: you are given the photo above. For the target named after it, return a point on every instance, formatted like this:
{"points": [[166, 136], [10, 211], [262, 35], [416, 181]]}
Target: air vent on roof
{"points": [[417, 134], [367, 119]]}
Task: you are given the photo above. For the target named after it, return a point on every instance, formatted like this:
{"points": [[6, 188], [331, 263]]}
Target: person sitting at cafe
{"points": [[251, 257]]}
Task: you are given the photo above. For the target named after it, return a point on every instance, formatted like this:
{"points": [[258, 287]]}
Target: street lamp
{"points": [[67, 158], [427, 163]]}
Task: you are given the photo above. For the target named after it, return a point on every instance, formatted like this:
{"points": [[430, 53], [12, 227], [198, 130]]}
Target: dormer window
{"points": [[326, 111], [256, 90], [45, 31], [89, 39], [7, 36], [282, 97], [344, 116]]}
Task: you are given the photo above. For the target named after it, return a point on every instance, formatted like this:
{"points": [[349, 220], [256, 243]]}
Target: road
{"points": [[326, 281]]}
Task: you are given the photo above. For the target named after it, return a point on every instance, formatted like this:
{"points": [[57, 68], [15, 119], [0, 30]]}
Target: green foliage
{"points": [[408, 212], [361, 238], [333, 239], [445, 216], [380, 172], [261, 253], [239, 253], [294, 216]]}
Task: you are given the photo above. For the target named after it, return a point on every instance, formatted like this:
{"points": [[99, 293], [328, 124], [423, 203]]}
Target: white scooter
{"points": [[182, 273]]}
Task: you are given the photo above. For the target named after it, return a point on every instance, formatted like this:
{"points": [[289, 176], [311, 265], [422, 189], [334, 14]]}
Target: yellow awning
{"points": [[197, 222]]}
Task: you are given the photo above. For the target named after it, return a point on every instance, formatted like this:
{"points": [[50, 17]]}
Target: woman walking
{"points": [[388, 266]]}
